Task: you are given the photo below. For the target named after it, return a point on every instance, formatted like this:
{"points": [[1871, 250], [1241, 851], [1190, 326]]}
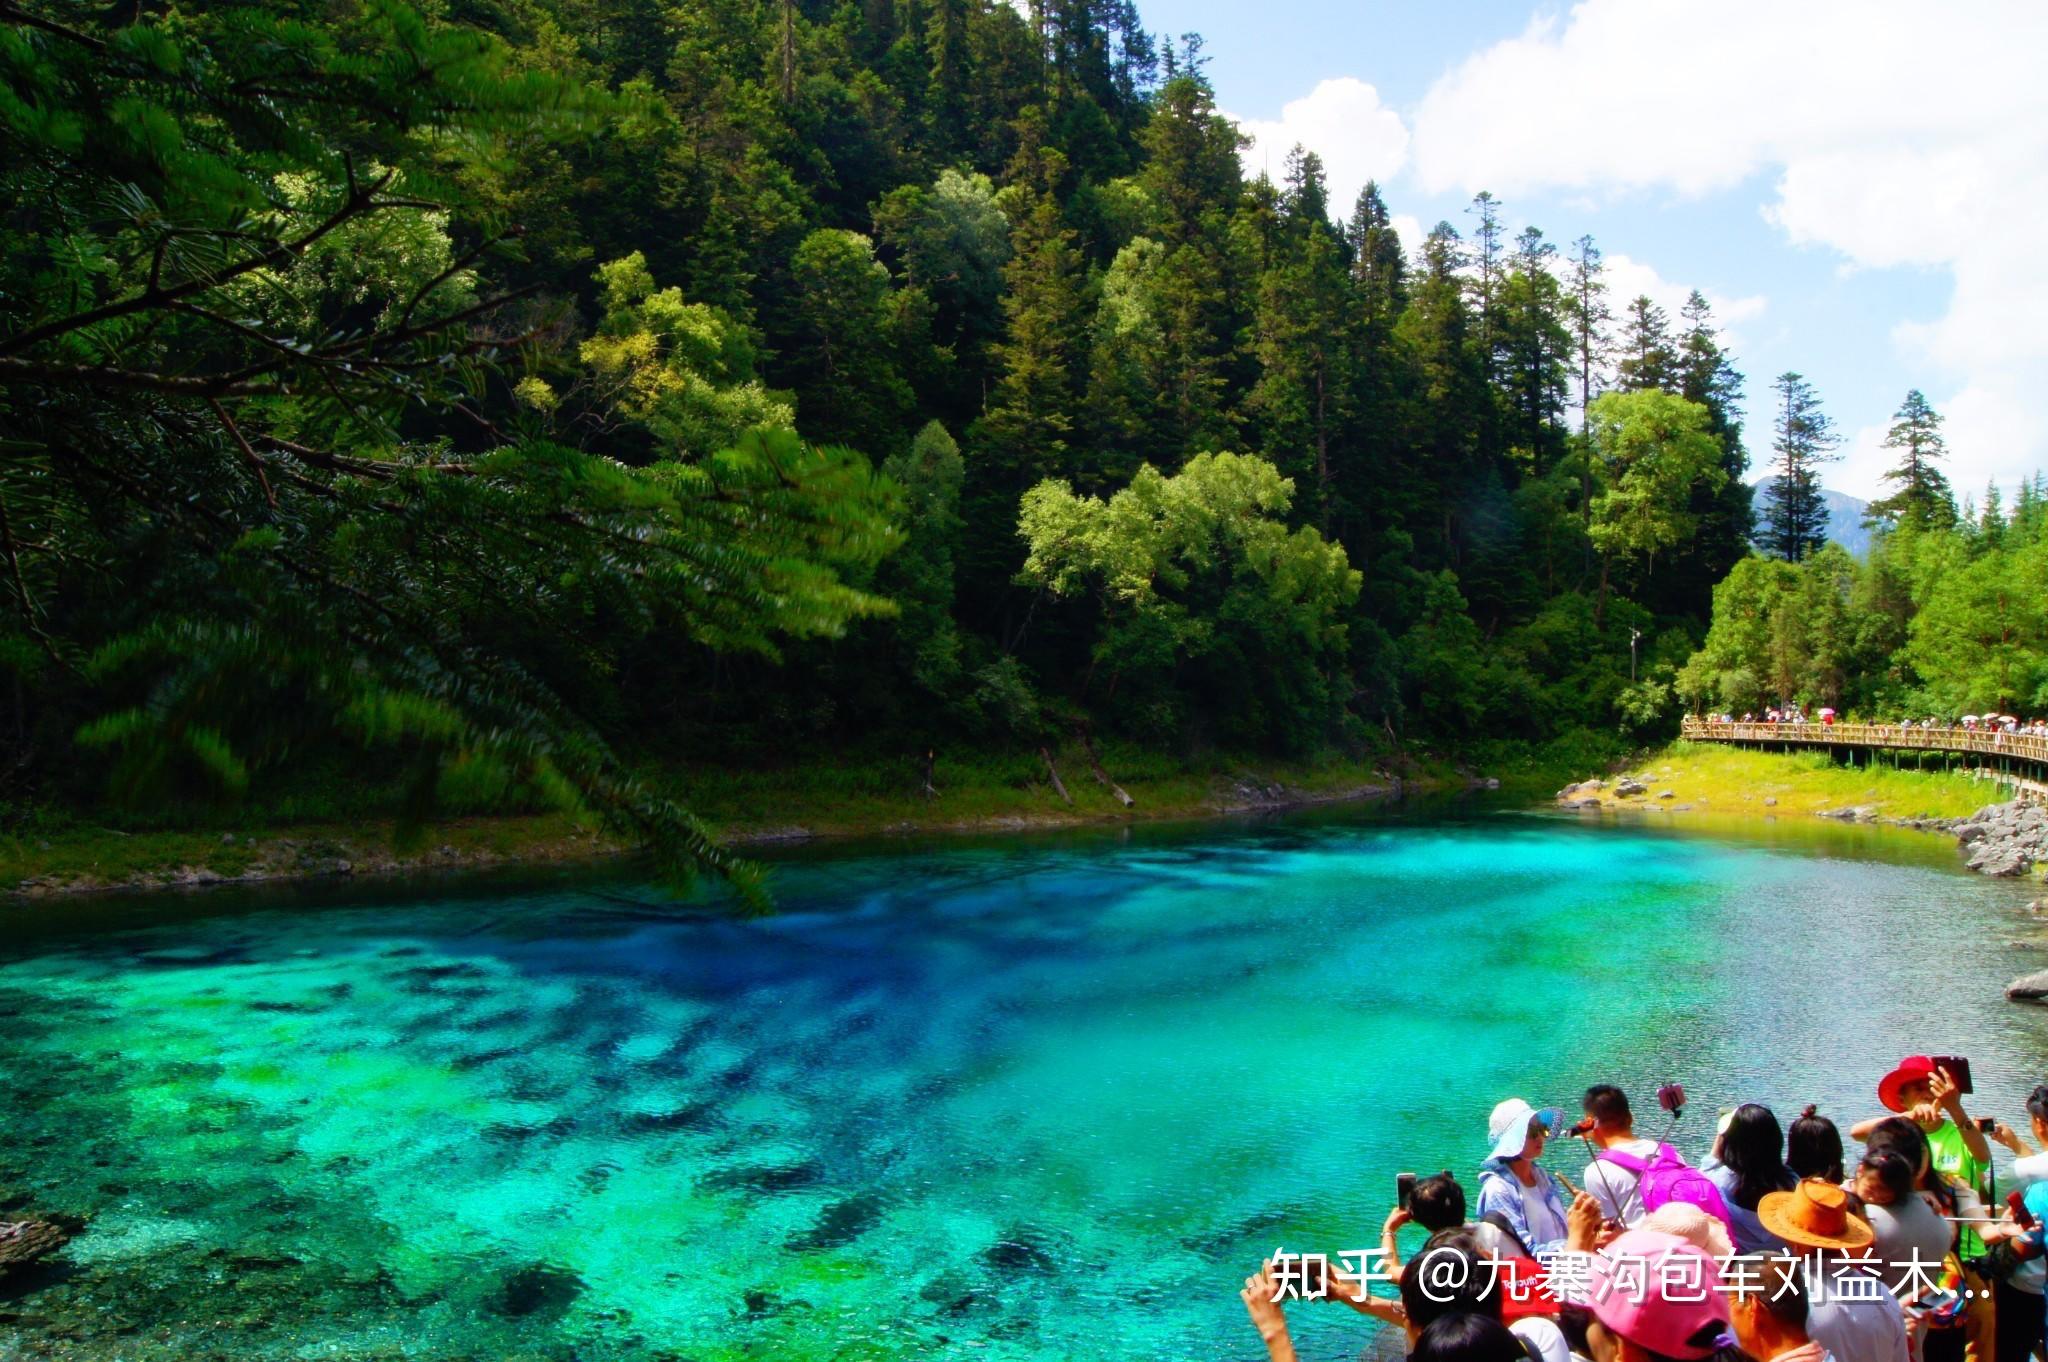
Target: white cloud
{"points": [[1342, 121], [1629, 278], [1899, 134]]}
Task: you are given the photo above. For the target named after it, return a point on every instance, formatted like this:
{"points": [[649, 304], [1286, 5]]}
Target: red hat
{"points": [[1525, 1289], [1912, 1069]]}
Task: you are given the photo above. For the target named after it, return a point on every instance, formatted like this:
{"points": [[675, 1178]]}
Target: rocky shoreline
{"points": [[2005, 841], [2002, 840]]}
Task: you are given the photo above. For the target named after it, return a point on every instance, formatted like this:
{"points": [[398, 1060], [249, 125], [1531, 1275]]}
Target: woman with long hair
{"points": [[1748, 1164]]}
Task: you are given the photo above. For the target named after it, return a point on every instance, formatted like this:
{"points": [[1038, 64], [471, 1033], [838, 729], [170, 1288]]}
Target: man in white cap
{"points": [[1525, 1196]]}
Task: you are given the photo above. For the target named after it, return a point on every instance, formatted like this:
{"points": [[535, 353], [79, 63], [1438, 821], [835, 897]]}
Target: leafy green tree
{"points": [[919, 576], [1796, 523], [1922, 494], [1981, 637], [1651, 451], [684, 371], [225, 538], [954, 240], [1203, 589], [845, 361]]}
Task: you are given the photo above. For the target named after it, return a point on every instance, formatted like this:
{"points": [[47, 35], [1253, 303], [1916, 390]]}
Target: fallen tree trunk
{"points": [[1053, 771], [1102, 776]]}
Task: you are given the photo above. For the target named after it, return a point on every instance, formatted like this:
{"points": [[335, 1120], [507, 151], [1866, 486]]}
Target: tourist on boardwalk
{"points": [[1748, 1164], [1528, 1198]]}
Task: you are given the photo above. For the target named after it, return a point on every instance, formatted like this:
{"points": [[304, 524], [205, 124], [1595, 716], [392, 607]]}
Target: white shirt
{"points": [[1544, 1226], [1615, 1187], [1854, 1330], [1544, 1338], [2031, 1275]]}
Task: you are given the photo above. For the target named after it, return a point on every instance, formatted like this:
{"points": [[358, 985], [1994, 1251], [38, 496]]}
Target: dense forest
{"points": [[514, 399]]}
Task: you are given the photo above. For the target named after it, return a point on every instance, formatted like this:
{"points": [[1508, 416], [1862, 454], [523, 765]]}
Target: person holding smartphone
{"points": [[1929, 1093]]}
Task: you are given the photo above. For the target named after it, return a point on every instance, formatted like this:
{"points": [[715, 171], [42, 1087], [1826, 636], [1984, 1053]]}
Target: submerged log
{"points": [[1054, 772], [23, 1241]]}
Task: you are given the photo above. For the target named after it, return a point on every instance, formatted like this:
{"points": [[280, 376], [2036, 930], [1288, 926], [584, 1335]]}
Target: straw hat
{"points": [[1704, 1232], [1815, 1214]]}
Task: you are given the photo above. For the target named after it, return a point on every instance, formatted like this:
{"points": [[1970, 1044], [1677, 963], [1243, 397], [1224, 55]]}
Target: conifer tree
{"points": [[1803, 438], [1922, 495], [1647, 360]]}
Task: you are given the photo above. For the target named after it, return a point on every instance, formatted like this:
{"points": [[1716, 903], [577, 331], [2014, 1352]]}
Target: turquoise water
{"points": [[1035, 1100]]}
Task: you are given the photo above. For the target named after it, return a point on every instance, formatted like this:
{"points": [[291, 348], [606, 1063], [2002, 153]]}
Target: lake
{"points": [[1043, 1098]]}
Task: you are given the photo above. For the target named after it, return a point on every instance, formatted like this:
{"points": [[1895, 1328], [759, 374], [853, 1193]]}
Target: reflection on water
{"points": [[1019, 1101]]}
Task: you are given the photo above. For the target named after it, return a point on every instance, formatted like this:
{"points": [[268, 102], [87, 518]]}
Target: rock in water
{"points": [[2028, 988], [24, 1241]]}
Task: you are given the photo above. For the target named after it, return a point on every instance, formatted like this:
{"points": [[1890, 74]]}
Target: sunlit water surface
{"points": [[1031, 1100]]}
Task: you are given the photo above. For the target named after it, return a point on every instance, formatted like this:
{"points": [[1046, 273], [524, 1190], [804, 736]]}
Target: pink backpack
{"points": [[1665, 1177]]}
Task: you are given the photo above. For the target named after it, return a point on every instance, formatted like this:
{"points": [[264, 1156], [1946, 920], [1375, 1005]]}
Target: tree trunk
{"points": [[1054, 772], [1101, 776]]}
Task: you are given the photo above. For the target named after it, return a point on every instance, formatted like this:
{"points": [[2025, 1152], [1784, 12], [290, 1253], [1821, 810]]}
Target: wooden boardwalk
{"points": [[2018, 756]]}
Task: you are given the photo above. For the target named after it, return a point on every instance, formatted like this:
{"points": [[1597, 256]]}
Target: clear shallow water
{"points": [[1022, 1101]]}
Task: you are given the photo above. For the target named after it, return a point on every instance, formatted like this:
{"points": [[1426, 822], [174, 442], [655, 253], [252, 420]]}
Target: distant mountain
{"points": [[1845, 516]]}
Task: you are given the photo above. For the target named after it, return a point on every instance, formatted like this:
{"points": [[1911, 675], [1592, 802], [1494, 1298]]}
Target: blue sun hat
{"points": [[1508, 1127]]}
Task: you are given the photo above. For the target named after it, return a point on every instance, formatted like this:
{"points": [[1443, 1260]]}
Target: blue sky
{"points": [[1861, 188]]}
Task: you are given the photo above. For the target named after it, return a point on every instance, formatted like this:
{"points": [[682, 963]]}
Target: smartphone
{"points": [[1404, 1189], [1987, 1124], [1958, 1069]]}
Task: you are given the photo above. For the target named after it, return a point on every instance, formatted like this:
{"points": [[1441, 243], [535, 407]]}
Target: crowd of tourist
{"points": [[1969, 723], [1774, 1248]]}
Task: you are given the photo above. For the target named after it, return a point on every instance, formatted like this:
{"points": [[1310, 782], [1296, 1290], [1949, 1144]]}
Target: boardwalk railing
{"points": [[1975, 741]]}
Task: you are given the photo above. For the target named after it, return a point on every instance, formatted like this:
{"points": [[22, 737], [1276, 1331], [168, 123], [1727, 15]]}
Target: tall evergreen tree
{"points": [[1534, 345], [1588, 313], [1922, 497], [1378, 269], [1723, 513], [1303, 327], [1488, 259], [1647, 360], [1804, 436]]}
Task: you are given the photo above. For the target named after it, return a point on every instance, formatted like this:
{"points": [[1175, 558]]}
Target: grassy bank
{"points": [[1729, 780], [844, 798]]}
